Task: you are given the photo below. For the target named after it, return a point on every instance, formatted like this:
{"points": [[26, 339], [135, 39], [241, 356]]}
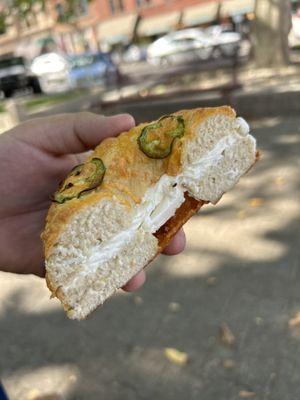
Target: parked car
{"points": [[190, 45], [92, 68], [134, 54], [224, 42], [53, 71], [179, 47], [15, 74]]}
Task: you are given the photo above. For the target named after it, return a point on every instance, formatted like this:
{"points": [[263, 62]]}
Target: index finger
{"points": [[72, 133]]}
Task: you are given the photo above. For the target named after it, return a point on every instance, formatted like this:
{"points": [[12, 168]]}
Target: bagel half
{"points": [[96, 241]]}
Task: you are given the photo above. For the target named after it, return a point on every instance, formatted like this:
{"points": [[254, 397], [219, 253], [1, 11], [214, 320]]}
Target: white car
{"points": [[194, 44], [134, 54], [224, 43], [53, 71], [181, 46], [294, 35]]}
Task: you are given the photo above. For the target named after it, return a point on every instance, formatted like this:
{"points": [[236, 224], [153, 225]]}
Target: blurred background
{"points": [[222, 320]]}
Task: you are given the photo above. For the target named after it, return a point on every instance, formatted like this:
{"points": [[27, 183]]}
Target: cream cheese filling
{"points": [[161, 201], [158, 205]]}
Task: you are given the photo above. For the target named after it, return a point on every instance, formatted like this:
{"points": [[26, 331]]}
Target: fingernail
{"points": [[129, 117]]}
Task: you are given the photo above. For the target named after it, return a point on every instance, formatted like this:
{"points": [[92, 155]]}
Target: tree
{"points": [[270, 31], [20, 10], [69, 10]]}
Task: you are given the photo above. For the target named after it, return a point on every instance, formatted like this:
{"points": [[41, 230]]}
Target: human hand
{"points": [[34, 157]]}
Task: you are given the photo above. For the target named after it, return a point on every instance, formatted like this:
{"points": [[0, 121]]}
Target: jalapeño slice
{"points": [[82, 178], [156, 139]]}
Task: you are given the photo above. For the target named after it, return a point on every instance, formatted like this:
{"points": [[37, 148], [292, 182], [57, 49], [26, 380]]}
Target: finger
{"points": [[82, 157], [72, 133], [177, 244], [40, 271], [136, 282]]}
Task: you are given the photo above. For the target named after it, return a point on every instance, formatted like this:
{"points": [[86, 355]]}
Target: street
{"points": [[239, 276]]}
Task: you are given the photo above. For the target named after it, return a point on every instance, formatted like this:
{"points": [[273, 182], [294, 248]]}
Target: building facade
{"points": [[100, 24]]}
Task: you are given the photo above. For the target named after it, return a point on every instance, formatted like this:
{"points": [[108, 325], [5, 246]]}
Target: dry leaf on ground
{"points": [[245, 394], [228, 363], [212, 280], [293, 322], [176, 356], [226, 335], [174, 306], [138, 300]]}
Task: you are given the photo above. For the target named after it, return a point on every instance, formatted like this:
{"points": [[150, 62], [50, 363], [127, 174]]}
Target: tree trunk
{"points": [[270, 31]]}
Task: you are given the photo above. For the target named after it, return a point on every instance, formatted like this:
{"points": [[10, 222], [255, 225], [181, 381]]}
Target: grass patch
{"points": [[2, 108], [296, 47], [51, 100]]}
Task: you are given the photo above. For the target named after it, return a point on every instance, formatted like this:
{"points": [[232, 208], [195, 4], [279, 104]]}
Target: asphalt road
{"points": [[240, 271]]}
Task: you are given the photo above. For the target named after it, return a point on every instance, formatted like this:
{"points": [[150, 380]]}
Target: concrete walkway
{"points": [[264, 93], [239, 276]]}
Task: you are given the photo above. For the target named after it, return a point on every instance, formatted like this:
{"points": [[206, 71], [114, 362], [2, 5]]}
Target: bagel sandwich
{"points": [[118, 210]]}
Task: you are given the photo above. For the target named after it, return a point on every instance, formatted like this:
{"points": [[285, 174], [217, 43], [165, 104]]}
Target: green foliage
{"points": [[2, 22], [2, 108], [67, 10], [19, 9], [52, 100], [70, 10]]}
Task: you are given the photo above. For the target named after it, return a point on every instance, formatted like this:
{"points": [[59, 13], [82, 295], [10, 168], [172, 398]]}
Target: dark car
{"points": [[92, 68], [15, 75]]}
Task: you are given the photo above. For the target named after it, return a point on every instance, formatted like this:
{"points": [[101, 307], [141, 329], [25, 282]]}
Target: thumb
{"points": [[72, 133]]}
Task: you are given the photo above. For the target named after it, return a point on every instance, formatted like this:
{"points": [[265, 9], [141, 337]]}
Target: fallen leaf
{"points": [[176, 356], [245, 394], [293, 322], [228, 363], [138, 300], [226, 335], [212, 280], [256, 202], [174, 306]]}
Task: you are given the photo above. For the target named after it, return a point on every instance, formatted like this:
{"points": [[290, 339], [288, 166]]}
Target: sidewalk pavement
{"points": [[264, 93], [228, 307]]}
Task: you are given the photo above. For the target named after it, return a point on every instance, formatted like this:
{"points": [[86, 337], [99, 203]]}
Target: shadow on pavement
{"points": [[118, 353]]}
